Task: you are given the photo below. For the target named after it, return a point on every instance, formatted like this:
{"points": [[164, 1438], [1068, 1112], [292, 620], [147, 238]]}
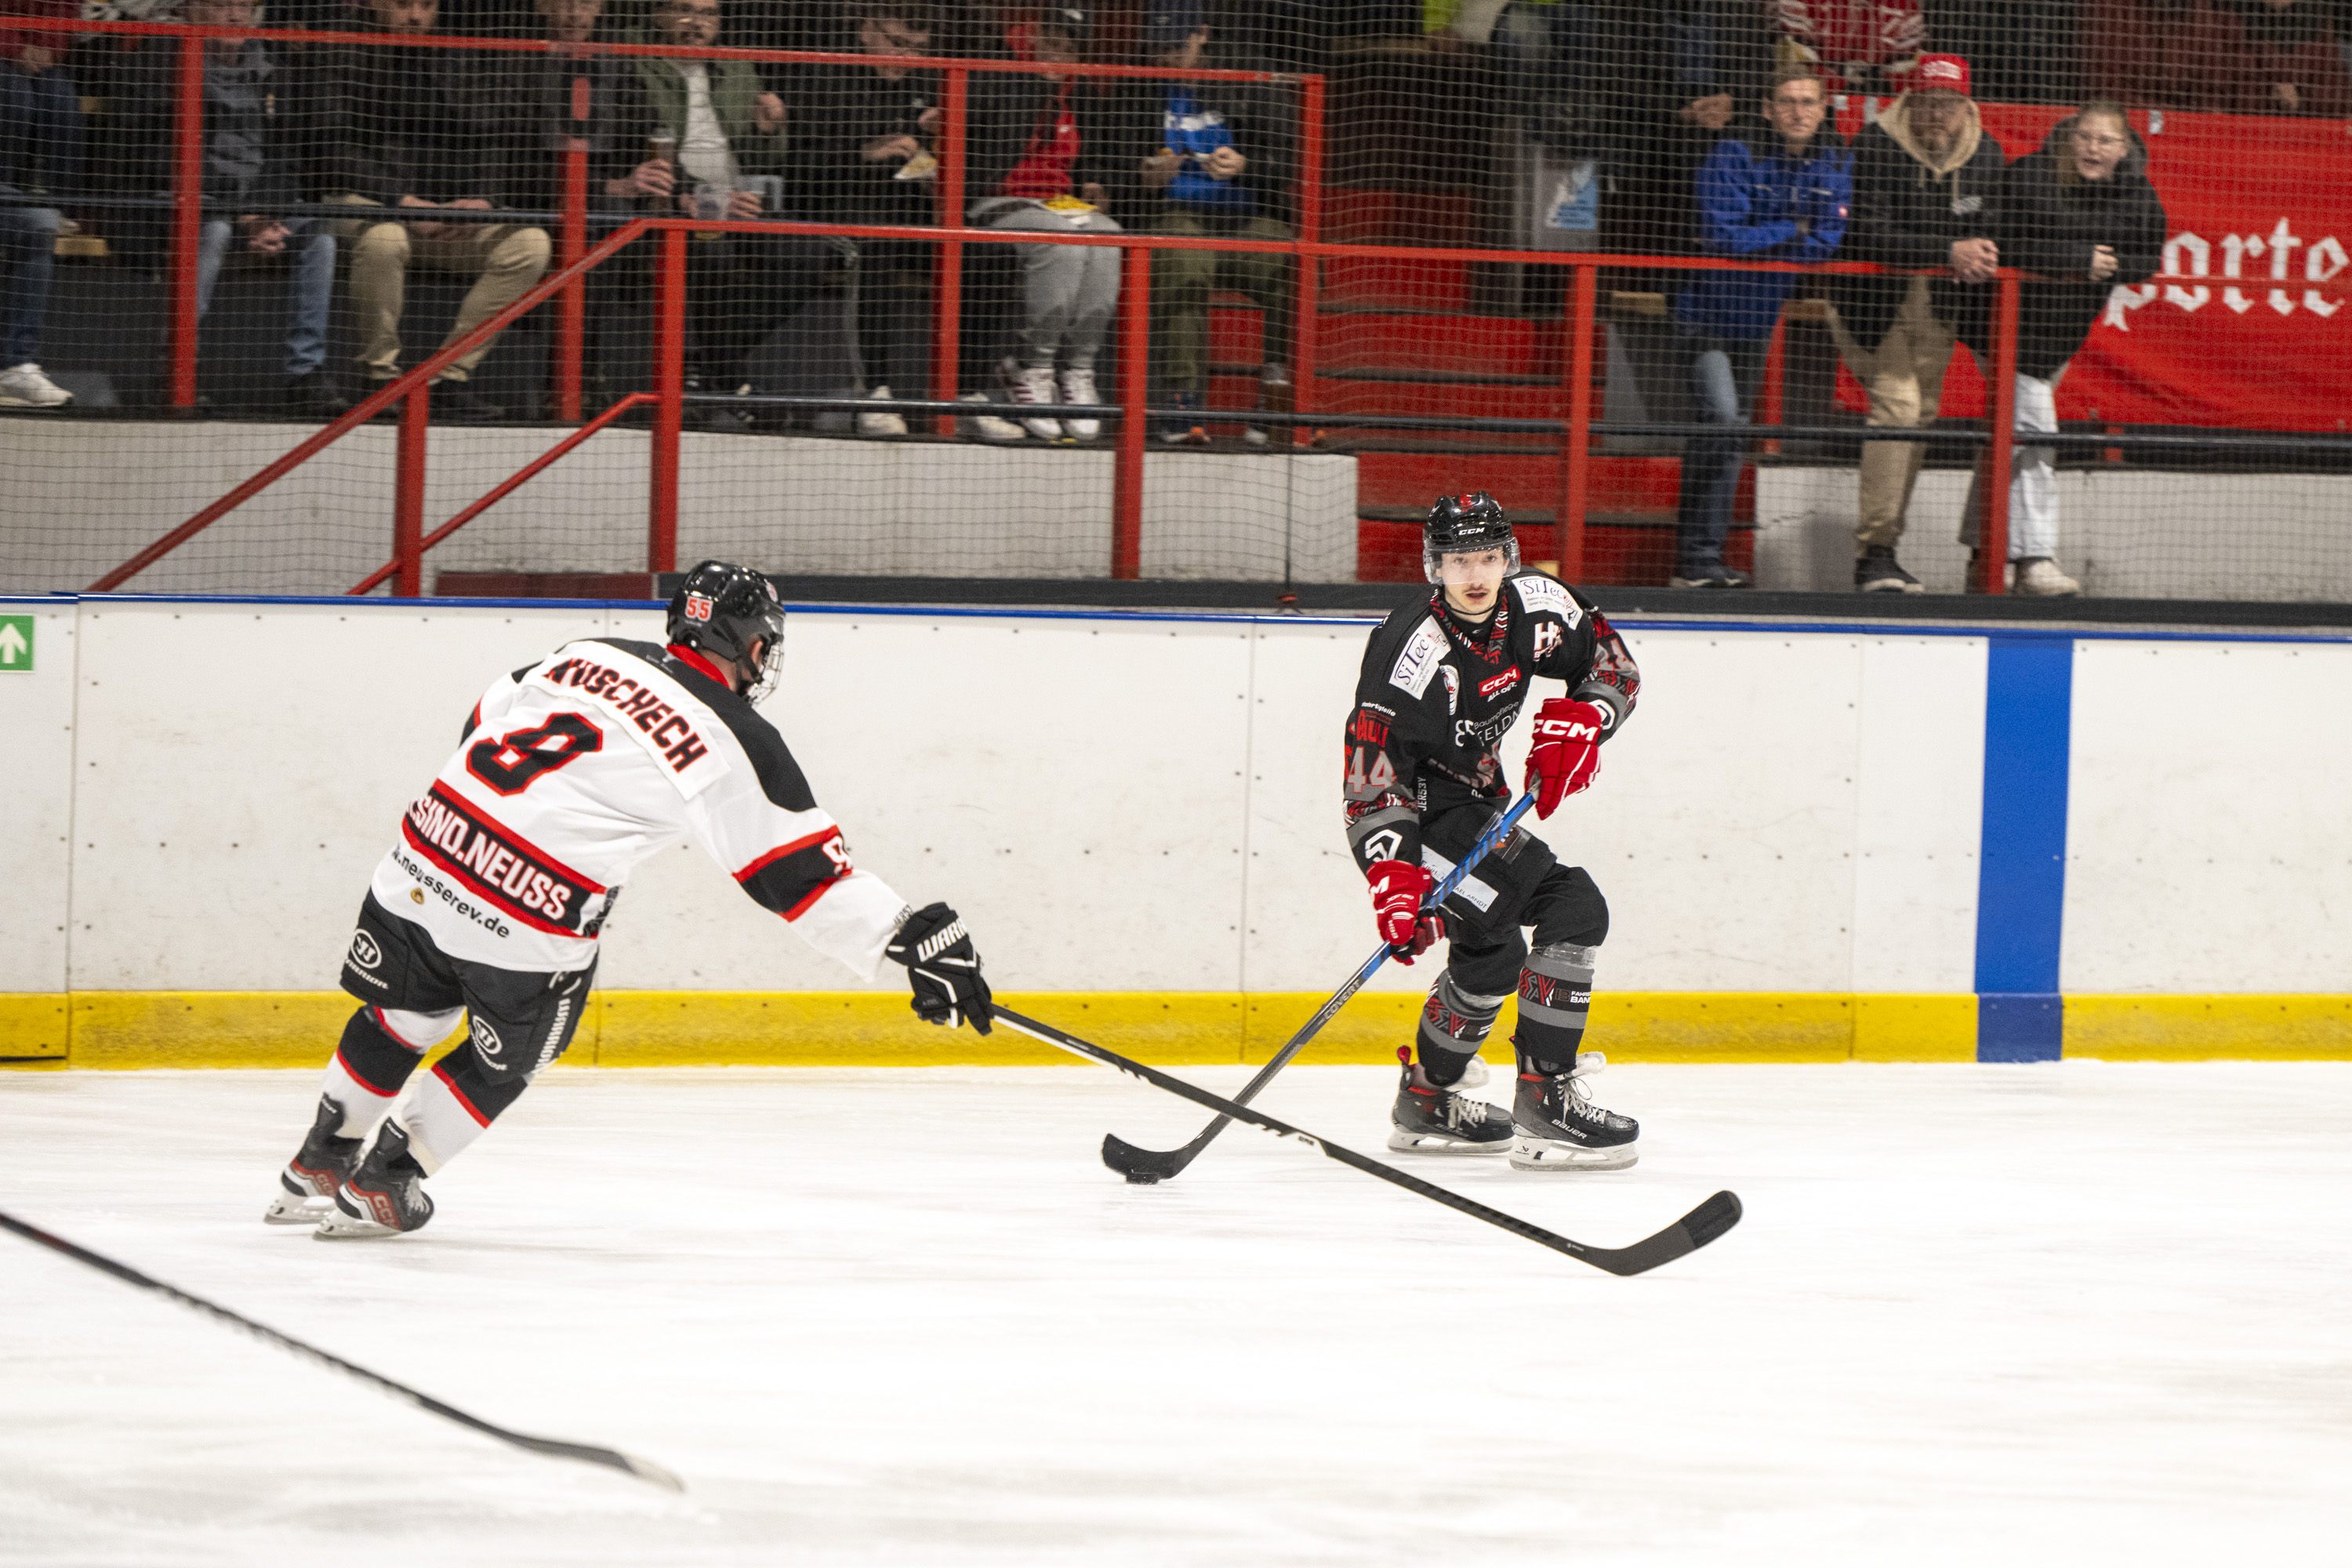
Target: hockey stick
{"points": [[1144, 1167], [644, 1469], [1688, 1233]]}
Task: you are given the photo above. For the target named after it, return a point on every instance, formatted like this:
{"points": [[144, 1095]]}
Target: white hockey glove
{"points": [[942, 967]]}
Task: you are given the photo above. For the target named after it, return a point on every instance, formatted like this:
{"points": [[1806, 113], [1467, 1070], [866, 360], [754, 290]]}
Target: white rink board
{"points": [[2209, 819], [37, 717], [1125, 802]]}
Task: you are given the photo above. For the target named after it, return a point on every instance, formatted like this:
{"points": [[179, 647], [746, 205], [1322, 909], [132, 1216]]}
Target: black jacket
{"points": [[1626, 67], [529, 98], [2048, 226], [255, 133], [1261, 117], [1907, 215], [405, 121], [835, 111]]}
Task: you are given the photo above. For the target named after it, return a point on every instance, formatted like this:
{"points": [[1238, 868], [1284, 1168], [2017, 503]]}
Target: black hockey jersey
{"points": [[574, 771], [1436, 697]]}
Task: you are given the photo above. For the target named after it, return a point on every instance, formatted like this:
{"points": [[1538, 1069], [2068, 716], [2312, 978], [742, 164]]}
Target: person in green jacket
{"points": [[717, 146]]}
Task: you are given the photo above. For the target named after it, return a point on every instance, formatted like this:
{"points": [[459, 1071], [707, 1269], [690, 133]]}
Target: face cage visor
{"points": [[1432, 559], [771, 662]]}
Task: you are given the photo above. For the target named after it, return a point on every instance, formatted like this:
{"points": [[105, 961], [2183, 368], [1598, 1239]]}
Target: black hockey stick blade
{"points": [[1144, 1167], [589, 1453], [1686, 1234]]}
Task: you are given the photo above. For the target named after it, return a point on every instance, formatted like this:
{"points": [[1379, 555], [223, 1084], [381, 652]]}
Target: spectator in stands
{"points": [[254, 157], [1037, 163], [728, 135], [1213, 159], [1861, 45], [869, 156], [1927, 193], [1671, 76], [1779, 194], [2288, 62], [2024, 51], [412, 129], [2159, 54], [532, 95], [2082, 216], [40, 155]]}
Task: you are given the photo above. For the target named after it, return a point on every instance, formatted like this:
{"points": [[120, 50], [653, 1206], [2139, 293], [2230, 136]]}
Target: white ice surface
{"points": [[2074, 1313]]}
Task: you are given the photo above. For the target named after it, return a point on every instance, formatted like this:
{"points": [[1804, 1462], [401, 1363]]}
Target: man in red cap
{"points": [[1927, 183]]}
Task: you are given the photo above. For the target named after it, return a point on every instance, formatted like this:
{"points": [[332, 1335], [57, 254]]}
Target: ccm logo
{"points": [[1495, 685]]}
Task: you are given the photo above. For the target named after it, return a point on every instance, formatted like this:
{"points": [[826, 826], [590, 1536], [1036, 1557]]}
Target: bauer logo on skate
{"points": [[503, 869]]}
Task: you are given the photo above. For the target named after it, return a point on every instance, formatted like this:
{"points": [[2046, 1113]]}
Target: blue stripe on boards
{"points": [[2022, 867]]}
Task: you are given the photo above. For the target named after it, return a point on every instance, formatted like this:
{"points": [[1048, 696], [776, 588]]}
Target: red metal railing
{"points": [[575, 258]]}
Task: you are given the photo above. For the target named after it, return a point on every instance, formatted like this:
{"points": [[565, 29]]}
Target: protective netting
{"points": [[2167, 175]]}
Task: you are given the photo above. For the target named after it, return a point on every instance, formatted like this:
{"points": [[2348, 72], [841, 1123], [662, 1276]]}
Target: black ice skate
{"points": [[306, 1188], [1433, 1120], [384, 1196], [1559, 1128]]}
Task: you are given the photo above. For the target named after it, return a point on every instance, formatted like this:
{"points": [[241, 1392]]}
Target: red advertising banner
{"points": [[2241, 328]]}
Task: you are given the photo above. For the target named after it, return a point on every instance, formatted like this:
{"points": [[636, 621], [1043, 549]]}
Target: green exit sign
{"points": [[15, 642]]}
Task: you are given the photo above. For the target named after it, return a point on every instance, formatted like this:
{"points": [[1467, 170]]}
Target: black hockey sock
{"points": [[1454, 1024], [1555, 992], [379, 1062], [486, 1092]]}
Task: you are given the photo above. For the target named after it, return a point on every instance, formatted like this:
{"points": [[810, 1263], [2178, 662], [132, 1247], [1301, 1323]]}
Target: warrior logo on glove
{"points": [[942, 967]]}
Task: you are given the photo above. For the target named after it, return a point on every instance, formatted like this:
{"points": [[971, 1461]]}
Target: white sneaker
{"points": [[1031, 383], [989, 426], [2041, 579], [23, 386], [1079, 386], [880, 424]]}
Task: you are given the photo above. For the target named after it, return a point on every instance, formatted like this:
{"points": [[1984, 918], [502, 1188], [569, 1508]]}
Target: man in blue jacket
{"points": [[1780, 195]]}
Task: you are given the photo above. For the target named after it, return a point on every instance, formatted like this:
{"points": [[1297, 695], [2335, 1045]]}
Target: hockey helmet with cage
{"points": [[720, 610], [1462, 525]]}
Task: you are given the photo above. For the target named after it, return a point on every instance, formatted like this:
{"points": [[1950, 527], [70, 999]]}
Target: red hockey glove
{"points": [[1398, 888], [1566, 751]]}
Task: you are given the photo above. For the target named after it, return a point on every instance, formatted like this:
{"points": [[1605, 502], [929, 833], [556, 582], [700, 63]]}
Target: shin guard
{"points": [[378, 1052], [1555, 993], [1454, 1024]]}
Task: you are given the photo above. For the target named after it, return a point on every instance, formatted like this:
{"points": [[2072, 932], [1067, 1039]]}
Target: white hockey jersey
{"points": [[575, 770]]}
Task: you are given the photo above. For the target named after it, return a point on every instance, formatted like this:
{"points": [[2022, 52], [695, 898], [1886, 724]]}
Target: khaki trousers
{"points": [[1905, 381], [507, 259]]}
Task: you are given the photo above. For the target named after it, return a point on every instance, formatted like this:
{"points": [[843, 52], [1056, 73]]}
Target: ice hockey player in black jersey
{"points": [[1443, 680], [571, 773]]}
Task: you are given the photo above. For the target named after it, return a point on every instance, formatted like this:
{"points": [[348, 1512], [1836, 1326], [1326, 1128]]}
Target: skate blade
{"points": [[287, 1209], [1404, 1142], [1543, 1155], [337, 1225]]}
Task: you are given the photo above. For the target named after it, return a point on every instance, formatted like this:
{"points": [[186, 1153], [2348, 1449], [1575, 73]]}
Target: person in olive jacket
{"points": [[1927, 193], [2081, 214]]}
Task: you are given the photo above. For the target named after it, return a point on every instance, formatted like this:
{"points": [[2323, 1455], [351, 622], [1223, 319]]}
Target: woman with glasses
{"points": [[2081, 215]]}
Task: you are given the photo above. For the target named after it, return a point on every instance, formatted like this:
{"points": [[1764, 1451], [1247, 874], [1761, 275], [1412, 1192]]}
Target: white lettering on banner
{"points": [[2190, 257]]}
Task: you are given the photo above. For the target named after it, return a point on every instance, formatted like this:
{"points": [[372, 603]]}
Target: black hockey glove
{"points": [[942, 967]]}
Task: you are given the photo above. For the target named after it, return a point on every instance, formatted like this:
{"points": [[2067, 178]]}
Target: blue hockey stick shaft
{"points": [[1147, 1165]]}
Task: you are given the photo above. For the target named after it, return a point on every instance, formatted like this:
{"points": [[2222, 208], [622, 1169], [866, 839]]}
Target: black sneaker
{"points": [[1876, 573], [721, 420], [1715, 576], [315, 395], [1428, 1119], [384, 1196], [1559, 1128], [454, 402], [319, 1168]]}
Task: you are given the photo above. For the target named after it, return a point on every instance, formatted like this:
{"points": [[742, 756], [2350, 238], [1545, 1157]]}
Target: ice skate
{"points": [[1559, 1129], [306, 1188], [384, 1196], [1428, 1119]]}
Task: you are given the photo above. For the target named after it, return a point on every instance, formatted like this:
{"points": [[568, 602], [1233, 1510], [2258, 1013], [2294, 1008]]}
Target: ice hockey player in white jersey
{"points": [[569, 773]]}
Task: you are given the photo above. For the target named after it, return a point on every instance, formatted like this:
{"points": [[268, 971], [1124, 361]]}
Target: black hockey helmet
{"points": [[720, 610], [1465, 524]]}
